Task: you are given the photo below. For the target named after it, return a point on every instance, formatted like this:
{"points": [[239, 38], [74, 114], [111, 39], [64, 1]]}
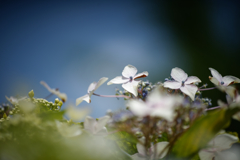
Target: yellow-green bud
{"points": [[31, 94], [56, 100], [60, 103]]}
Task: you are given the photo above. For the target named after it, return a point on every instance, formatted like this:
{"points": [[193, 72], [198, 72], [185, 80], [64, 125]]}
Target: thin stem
{"points": [[116, 96], [206, 89], [212, 108]]}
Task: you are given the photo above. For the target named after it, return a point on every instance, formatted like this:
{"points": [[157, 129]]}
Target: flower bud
{"points": [[31, 94], [60, 103], [56, 100]]}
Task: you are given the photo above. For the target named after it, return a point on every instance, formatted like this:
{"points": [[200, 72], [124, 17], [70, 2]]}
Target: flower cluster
{"points": [[162, 120]]}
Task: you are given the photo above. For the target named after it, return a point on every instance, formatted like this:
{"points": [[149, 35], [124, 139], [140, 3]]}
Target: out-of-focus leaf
{"points": [[51, 116], [201, 132], [164, 137], [125, 141], [4, 115]]}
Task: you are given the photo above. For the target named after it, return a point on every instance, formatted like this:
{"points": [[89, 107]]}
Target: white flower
{"points": [[14, 100], [216, 145], [141, 155], [156, 105], [62, 96], [76, 114], [217, 78], [67, 130], [129, 74], [96, 127], [183, 82], [91, 89]]}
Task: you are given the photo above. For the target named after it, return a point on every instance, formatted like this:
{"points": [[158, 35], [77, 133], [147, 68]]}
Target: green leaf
{"points": [[125, 141], [201, 132], [52, 115]]}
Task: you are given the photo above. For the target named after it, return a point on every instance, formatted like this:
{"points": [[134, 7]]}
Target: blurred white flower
{"points": [[14, 100], [183, 82], [67, 130], [62, 96], [157, 105], [76, 114], [218, 80], [129, 74], [96, 127], [141, 155], [91, 89], [216, 145]]}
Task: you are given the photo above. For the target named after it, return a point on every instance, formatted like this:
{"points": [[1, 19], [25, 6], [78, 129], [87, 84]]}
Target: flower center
{"points": [[131, 78], [222, 83], [183, 83]]}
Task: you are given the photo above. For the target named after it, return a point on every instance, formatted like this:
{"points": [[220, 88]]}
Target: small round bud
{"points": [[31, 94], [60, 103], [56, 100]]}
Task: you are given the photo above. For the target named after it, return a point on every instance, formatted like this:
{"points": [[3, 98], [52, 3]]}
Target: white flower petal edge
{"points": [[62, 96], [172, 84], [190, 90], [192, 79], [216, 74], [141, 75], [129, 71], [131, 87], [96, 127], [118, 80], [91, 89], [217, 144], [178, 74], [83, 98], [160, 147], [217, 78]]}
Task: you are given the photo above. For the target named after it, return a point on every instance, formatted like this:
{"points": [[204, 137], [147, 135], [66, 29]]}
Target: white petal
{"points": [[190, 90], [118, 80], [62, 96], [192, 79], [230, 79], [214, 80], [223, 141], [89, 124], [77, 114], [129, 71], [236, 116], [101, 123], [131, 87], [178, 74], [172, 84], [205, 155], [166, 112], [141, 75], [101, 81], [85, 98], [139, 108], [141, 149], [101, 132], [160, 147], [92, 87], [216, 74]]}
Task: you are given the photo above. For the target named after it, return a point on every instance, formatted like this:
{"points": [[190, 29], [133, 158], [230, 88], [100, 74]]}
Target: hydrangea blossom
{"points": [[91, 89], [156, 105], [183, 82], [129, 74], [216, 145], [141, 155], [218, 80], [67, 130], [62, 96], [76, 114], [96, 127]]}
